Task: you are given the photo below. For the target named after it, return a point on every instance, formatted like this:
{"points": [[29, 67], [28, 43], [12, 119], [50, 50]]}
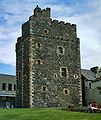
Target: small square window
{"points": [[38, 45], [3, 86], [60, 50], [63, 72], [10, 87], [66, 91], [39, 62], [75, 76], [44, 88]]}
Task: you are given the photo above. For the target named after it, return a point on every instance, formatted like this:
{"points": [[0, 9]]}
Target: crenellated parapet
{"points": [[41, 22], [40, 14], [63, 24]]}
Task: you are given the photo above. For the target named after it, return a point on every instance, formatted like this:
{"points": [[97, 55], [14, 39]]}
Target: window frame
{"points": [[4, 85], [59, 51], [63, 72], [10, 87], [76, 76], [55, 75], [66, 91], [90, 85], [38, 45], [14, 87], [43, 88], [39, 63]]}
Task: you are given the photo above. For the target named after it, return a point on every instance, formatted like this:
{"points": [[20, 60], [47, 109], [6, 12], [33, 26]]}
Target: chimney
{"points": [[94, 69]]}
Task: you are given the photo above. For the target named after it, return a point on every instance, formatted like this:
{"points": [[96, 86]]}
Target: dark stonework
{"points": [[48, 63]]}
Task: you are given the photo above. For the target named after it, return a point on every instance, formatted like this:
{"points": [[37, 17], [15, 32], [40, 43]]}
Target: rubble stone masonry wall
{"points": [[48, 63]]}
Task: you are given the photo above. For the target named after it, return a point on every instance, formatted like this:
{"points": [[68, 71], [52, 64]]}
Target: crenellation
{"points": [[19, 39], [41, 14], [62, 23], [48, 9], [68, 24], [73, 27], [37, 10], [55, 22]]}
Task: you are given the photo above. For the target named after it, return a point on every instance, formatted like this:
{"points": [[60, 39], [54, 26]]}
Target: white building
{"points": [[7, 91]]}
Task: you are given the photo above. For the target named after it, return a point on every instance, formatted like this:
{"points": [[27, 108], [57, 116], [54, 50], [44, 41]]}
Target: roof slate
{"points": [[88, 74]]}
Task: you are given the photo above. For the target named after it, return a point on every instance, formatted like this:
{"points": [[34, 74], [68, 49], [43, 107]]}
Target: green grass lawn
{"points": [[46, 114]]}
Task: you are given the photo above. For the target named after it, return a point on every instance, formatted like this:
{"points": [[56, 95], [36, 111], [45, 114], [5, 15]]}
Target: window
{"points": [[75, 76], [60, 50], [14, 87], [44, 88], [10, 87], [38, 45], [66, 91], [63, 72], [3, 86], [45, 31], [55, 75], [89, 85], [39, 62]]}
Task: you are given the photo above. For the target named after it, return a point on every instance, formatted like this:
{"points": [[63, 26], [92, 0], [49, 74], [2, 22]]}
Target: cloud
{"points": [[86, 14]]}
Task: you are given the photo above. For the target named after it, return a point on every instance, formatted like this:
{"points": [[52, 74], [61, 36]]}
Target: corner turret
{"points": [[37, 10], [42, 13]]}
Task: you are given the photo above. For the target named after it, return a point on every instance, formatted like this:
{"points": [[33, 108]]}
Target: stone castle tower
{"points": [[48, 63]]}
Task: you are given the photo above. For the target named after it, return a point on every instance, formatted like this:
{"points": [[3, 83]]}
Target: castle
{"points": [[48, 63]]}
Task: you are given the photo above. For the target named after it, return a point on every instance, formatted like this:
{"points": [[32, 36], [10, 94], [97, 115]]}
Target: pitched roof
{"points": [[88, 74]]}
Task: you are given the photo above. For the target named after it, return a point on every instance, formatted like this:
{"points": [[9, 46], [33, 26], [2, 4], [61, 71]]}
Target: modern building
{"points": [[91, 85], [7, 91], [48, 63]]}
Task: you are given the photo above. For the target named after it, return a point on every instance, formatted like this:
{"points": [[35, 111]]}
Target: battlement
{"points": [[56, 29], [54, 22], [19, 39], [63, 23], [45, 12]]}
